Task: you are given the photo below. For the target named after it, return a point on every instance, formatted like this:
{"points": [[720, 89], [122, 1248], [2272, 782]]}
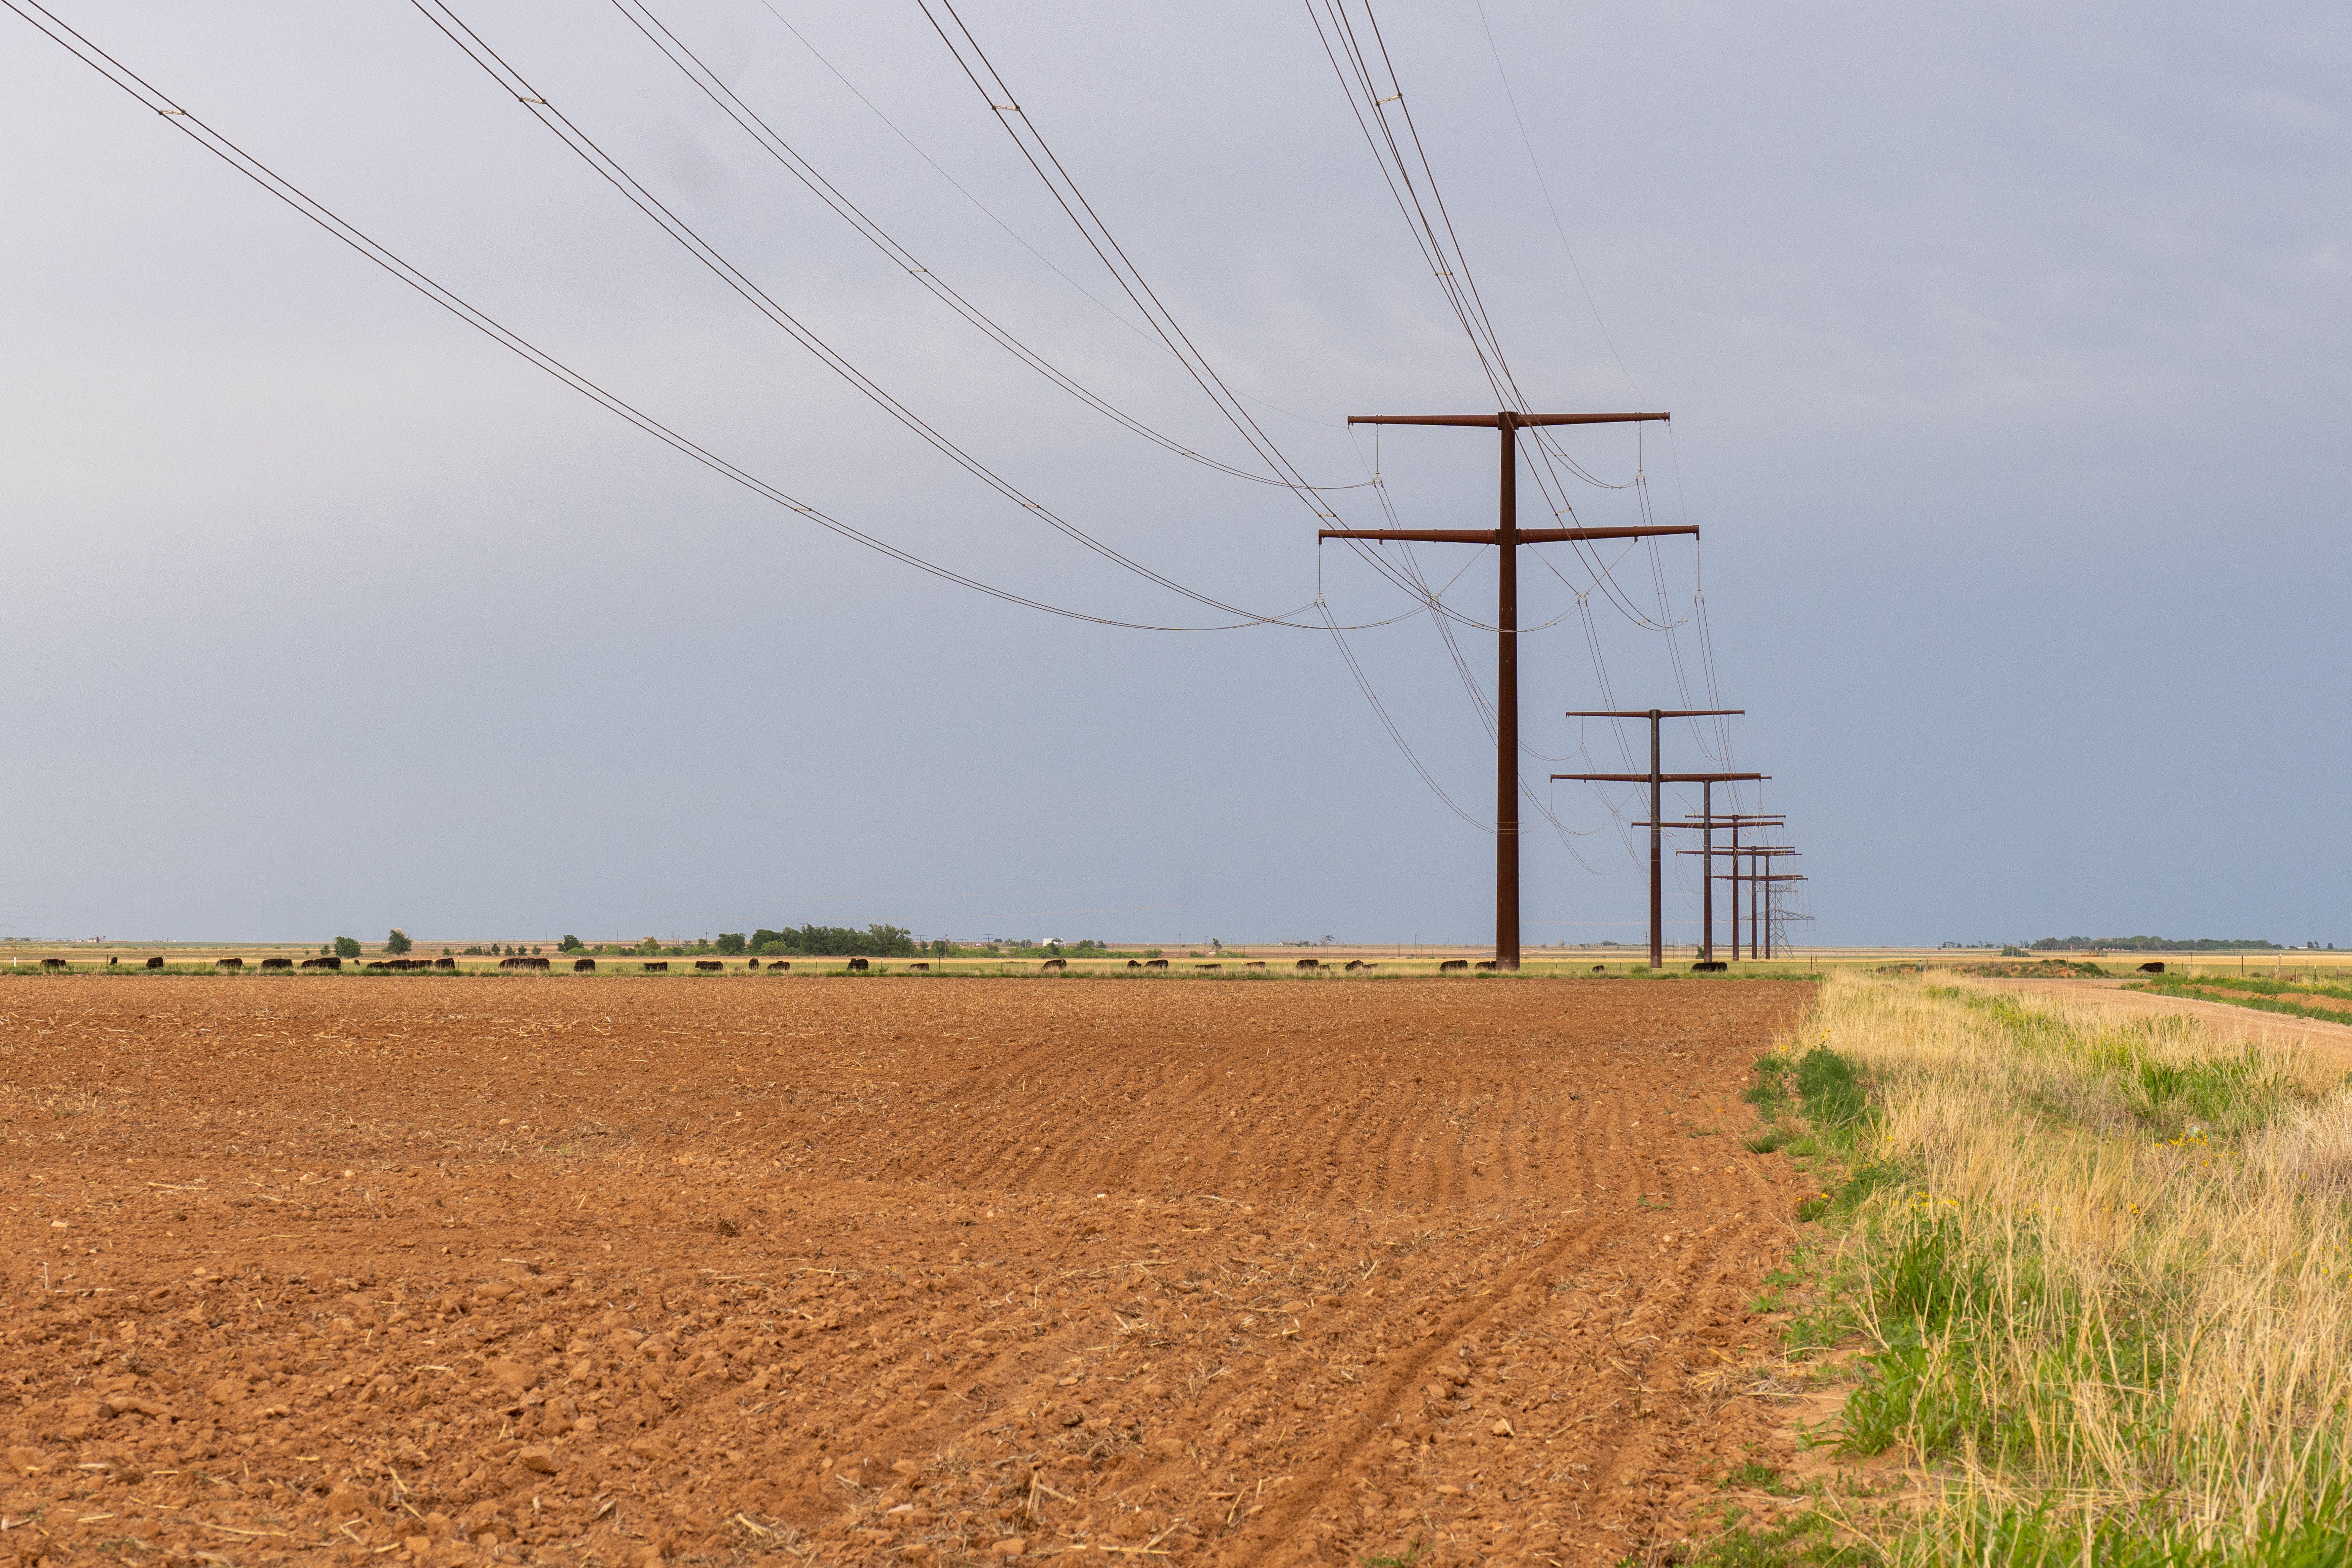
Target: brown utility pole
{"points": [[1508, 536], [1709, 822], [1759, 941], [1709, 870], [1654, 779], [1658, 894]]}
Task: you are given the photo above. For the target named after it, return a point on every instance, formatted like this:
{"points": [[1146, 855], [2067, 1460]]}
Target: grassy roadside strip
{"points": [[2328, 1003], [2093, 1279]]}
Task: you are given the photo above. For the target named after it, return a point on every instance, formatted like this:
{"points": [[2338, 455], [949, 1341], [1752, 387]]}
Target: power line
{"points": [[614, 174], [712, 86], [190, 125]]}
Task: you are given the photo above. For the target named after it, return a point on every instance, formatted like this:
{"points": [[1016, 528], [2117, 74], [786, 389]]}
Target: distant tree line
{"points": [[2153, 944], [823, 942]]}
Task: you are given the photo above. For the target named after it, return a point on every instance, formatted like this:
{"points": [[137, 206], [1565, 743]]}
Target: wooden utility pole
{"points": [[1507, 535], [1706, 823], [1760, 940], [1657, 885]]}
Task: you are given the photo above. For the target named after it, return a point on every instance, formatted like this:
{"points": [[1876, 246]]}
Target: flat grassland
{"points": [[862, 1271]]}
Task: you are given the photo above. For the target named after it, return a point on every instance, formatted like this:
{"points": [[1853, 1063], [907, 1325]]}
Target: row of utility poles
{"points": [[1507, 536]]}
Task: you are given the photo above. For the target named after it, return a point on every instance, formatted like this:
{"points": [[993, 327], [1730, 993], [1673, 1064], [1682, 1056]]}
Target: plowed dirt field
{"points": [[900, 1270]]}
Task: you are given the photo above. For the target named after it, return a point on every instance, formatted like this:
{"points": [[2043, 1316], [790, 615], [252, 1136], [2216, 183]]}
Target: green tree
{"points": [[347, 947], [398, 942], [570, 945], [650, 947], [730, 942]]}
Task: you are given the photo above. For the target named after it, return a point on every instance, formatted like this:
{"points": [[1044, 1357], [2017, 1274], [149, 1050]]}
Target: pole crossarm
{"points": [[1744, 849], [1662, 778], [1645, 713], [1495, 536], [1491, 420]]}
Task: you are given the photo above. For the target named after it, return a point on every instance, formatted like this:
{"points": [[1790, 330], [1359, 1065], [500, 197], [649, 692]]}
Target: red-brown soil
{"points": [[615, 1270]]}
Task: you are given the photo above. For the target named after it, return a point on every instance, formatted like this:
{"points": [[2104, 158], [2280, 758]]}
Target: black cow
{"points": [[1486, 963], [1709, 966], [858, 966], [1600, 969], [779, 966], [1309, 964], [1135, 964], [53, 963], [444, 964], [228, 963], [156, 962], [921, 968], [662, 968], [276, 963], [1255, 964], [708, 965], [1156, 964], [1353, 965], [1208, 968], [584, 967], [2157, 968], [1054, 966], [1451, 964]]}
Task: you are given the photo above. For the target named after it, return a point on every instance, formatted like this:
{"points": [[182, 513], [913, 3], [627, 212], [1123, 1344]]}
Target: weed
{"points": [[1753, 1475], [1808, 1540], [1765, 1141], [1405, 1558]]}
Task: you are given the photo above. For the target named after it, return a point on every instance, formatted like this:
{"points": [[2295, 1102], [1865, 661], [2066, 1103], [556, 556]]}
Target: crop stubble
{"points": [[877, 1271]]}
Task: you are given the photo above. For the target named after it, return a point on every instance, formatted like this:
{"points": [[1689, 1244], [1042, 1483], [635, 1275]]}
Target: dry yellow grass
{"points": [[2140, 1236]]}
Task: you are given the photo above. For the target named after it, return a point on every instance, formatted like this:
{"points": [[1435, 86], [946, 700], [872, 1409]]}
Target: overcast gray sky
{"points": [[2006, 345]]}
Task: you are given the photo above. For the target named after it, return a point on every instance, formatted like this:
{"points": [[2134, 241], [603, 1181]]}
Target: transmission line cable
{"points": [[214, 141], [451, 25], [678, 53]]}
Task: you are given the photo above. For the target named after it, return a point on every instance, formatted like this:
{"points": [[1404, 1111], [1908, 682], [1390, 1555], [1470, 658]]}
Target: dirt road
{"points": [[614, 1270], [2250, 1025]]}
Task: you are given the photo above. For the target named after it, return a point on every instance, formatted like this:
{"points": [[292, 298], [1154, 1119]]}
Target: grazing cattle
{"points": [[1255, 964], [444, 964], [1353, 965], [155, 963], [53, 963], [322, 963], [276, 963], [921, 968], [112, 962], [755, 963], [1709, 966], [1135, 964], [708, 966], [1451, 964], [1156, 964], [1208, 968], [778, 967], [379, 965], [228, 963], [662, 968], [1600, 969], [2151, 968], [1309, 964], [858, 966], [584, 967], [1054, 966]]}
